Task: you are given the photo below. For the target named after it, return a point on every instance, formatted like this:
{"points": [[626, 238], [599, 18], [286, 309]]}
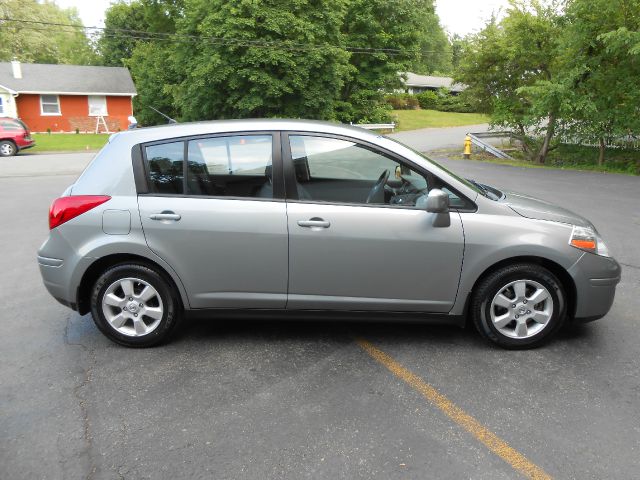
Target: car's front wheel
{"points": [[519, 306], [134, 305], [7, 148]]}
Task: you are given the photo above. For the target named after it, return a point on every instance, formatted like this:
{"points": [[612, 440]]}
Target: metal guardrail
{"points": [[375, 126], [476, 139]]}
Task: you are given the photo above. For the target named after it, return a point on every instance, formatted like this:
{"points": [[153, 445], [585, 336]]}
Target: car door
{"points": [[219, 219], [353, 248]]}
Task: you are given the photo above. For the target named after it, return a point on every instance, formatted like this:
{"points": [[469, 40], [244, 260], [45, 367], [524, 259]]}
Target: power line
{"points": [[164, 36]]}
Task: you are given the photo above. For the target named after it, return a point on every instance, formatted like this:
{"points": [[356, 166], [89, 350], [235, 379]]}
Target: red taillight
{"points": [[65, 208]]}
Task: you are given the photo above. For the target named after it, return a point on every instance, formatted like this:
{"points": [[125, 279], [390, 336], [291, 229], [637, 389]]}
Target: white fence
{"points": [[375, 126]]}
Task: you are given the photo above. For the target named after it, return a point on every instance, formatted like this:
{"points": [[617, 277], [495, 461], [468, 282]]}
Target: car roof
{"points": [[176, 130]]}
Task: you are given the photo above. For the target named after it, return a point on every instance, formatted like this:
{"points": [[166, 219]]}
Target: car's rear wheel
{"points": [[7, 148], [135, 306], [519, 306]]}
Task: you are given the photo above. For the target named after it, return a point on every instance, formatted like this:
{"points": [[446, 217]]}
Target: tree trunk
{"points": [[601, 152], [523, 135], [544, 149]]}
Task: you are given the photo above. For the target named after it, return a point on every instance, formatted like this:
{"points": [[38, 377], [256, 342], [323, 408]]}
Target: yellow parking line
{"points": [[494, 443]]}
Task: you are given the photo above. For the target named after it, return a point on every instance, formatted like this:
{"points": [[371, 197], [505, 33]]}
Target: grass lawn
{"points": [[570, 157], [68, 142], [414, 119]]}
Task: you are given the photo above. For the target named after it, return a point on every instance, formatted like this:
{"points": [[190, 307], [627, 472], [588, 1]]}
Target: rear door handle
{"points": [[314, 222], [165, 216]]}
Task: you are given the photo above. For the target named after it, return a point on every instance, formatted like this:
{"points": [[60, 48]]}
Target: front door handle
{"points": [[314, 222], [166, 215]]}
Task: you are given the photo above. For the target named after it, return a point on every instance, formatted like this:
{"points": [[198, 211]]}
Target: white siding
{"points": [[8, 108]]}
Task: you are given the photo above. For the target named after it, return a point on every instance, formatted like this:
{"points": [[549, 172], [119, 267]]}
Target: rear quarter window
{"points": [[11, 126], [165, 165]]}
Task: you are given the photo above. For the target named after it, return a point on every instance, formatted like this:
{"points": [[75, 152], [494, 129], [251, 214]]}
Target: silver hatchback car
{"points": [[311, 219]]}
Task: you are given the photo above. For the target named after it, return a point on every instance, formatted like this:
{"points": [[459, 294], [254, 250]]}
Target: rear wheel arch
{"points": [[560, 272], [102, 264]]}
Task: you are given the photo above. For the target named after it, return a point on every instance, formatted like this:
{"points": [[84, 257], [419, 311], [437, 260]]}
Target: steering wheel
{"points": [[376, 194]]}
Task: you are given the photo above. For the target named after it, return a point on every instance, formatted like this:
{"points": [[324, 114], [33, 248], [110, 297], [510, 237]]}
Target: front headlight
{"points": [[587, 239]]}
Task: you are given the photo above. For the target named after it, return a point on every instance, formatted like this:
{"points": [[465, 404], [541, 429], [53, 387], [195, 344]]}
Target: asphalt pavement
{"points": [[428, 139], [236, 399]]}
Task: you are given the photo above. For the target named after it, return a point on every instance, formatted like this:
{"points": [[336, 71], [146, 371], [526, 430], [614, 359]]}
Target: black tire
{"points": [[7, 148], [492, 284], [172, 309]]}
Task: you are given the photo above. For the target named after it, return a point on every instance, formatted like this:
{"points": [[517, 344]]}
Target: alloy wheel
{"points": [[7, 149], [521, 309], [132, 307]]}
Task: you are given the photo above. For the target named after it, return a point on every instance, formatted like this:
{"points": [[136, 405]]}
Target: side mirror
{"points": [[437, 201]]}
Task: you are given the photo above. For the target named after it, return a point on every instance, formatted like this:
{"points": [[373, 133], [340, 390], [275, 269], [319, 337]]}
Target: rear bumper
{"points": [[61, 278], [54, 278], [596, 279], [24, 144]]}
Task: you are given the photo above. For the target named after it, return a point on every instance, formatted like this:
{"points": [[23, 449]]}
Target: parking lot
{"points": [[232, 399]]}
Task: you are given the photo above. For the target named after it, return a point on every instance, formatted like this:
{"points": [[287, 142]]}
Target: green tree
{"points": [[129, 23], [137, 35], [326, 59], [154, 75], [602, 70], [40, 43], [458, 47], [394, 29], [435, 49], [260, 59], [116, 44], [513, 70]]}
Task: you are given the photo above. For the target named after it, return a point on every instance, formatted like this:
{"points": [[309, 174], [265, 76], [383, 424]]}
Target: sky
{"points": [[456, 16]]}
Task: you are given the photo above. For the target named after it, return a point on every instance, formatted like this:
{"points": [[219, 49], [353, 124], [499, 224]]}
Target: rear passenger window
{"points": [[165, 167], [10, 126], [233, 166]]}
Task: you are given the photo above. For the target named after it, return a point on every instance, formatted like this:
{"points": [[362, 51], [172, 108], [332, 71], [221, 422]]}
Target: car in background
{"points": [[14, 136], [301, 219]]}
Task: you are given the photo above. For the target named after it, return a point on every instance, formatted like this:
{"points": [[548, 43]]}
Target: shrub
{"points": [[411, 102], [402, 101], [428, 100], [397, 101], [454, 103]]}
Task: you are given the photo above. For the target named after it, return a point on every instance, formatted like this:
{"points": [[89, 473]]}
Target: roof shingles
{"points": [[67, 79], [414, 80]]}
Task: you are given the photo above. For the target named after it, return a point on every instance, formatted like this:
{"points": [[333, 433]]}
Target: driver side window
{"points": [[334, 170]]}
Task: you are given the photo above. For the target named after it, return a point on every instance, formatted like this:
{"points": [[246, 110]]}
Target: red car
{"points": [[14, 136]]}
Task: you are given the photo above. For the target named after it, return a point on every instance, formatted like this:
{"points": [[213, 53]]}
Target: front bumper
{"points": [[595, 278]]}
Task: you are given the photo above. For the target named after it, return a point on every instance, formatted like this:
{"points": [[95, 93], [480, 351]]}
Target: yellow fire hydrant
{"points": [[467, 147]]}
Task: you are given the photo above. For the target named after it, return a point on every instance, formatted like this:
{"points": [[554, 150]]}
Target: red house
{"points": [[63, 98]]}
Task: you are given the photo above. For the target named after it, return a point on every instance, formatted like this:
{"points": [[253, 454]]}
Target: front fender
{"points": [[492, 239]]}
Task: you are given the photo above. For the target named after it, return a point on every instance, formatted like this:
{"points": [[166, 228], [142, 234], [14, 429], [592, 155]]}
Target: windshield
{"points": [[484, 190]]}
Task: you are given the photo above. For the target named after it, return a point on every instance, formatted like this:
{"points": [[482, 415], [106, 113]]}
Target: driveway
{"points": [[235, 399], [427, 139]]}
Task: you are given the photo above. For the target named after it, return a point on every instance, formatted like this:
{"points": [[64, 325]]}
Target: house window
{"points": [[1, 106], [49, 105], [97, 105]]}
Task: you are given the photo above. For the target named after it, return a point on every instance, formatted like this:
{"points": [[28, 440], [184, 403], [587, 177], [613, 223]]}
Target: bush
{"points": [[428, 100], [396, 101], [454, 103], [402, 101], [411, 102]]}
